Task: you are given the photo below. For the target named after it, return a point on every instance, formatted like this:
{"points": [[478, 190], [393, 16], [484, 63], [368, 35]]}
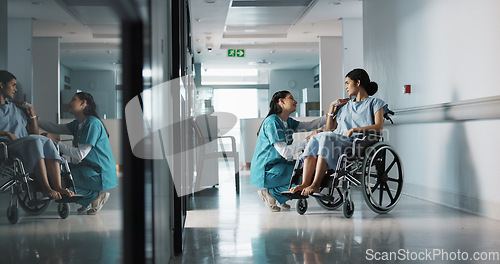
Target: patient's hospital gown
{"points": [[354, 114], [29, 148]]}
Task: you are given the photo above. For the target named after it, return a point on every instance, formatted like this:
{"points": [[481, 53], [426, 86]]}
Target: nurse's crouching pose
{"points": [[272, 164], [93, 166]]}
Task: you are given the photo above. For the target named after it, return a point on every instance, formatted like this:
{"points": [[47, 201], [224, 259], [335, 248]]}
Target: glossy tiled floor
{"points": [[225, 228], [47, 238]]}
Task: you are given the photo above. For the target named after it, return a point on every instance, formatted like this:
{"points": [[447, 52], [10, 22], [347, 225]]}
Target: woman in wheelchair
{"points": [[348, 118], [93, 166], [271, 166], [19, 129]]}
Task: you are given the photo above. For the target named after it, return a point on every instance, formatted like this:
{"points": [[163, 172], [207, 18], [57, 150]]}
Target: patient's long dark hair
{"points": [[6, 77], [91, 108], [274, 106], [362, 76]]}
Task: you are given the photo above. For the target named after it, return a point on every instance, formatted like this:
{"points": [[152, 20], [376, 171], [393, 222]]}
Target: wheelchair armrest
{"points": [[4, 154], [367, 136]]}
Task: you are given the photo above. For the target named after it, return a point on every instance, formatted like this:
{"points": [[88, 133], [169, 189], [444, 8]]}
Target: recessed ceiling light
{"points": [[334, 3], [197, 19], [37, 3]]}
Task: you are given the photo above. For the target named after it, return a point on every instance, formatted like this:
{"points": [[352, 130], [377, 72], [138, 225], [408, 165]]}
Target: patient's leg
{"points": [[307, 173], [321, 167], [41, 174], [54, 172]]}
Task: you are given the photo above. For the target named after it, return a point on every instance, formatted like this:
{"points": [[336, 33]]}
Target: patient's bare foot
{"points": [[297, 188], [52, 194], [65, 192], [310, 189]]}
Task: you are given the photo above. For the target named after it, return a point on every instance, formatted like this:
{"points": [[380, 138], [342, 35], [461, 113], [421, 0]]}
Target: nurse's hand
{"points": [[314, 133], [54, 139]]}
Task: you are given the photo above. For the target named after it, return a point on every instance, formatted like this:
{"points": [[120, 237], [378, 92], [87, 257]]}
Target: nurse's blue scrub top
{"points": [[268, 168], [99, 161]]}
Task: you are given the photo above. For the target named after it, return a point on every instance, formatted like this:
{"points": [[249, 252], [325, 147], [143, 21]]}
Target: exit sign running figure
{"points": [[236, 53]]}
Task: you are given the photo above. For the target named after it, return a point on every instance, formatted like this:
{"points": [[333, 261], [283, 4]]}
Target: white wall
{"points": [[20, 61], [3, 34], [290, 80], [352, 42], [447, 51], [46, 77], [331, 80]]}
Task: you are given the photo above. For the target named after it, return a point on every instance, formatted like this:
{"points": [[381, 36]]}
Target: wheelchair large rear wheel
{"points": [[382, 180], [331, 204], [38, 203]]}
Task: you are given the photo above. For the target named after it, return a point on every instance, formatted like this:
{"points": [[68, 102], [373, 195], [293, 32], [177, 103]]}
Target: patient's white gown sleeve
{"points": [[77, 154], [312, 125], [287, 151], [60, 129]]}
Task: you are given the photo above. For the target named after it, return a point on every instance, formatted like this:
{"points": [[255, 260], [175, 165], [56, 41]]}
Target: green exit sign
{"points": [[236, 53]]}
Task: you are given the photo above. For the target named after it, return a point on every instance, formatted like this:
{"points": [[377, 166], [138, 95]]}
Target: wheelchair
{"points": [[369, 163], [26, 192]]}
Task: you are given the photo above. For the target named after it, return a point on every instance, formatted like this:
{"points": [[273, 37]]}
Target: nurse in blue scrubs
{"points": [[93, 166], [272, 163]]}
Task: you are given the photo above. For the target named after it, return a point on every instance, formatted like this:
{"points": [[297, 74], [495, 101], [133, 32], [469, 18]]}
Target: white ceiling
{"points": [[282, 33], [89, 31]]}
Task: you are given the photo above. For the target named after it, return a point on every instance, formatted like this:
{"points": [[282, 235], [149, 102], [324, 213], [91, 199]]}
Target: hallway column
{"points": [[20, 62], [3, 34], [331, 81], [352, 39], [46, 84]]}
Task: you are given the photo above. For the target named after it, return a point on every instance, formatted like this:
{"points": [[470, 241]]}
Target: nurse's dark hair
{"points": [[6, 77], [362, 76], [274, 106], [91, 108]]}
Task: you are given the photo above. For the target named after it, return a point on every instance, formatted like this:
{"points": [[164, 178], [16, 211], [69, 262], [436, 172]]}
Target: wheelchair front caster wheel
{"points": [[63, 210], [301, 206], [12, 214], [348, 208]]}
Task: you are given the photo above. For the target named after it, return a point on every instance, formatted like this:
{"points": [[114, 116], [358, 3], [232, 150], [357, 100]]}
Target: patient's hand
{"points": [[314, 133], [349, 133]]}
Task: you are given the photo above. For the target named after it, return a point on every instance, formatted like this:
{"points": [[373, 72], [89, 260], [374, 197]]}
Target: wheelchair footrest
{"points": [[37, 202], [292, 196], [73, 199], [323, 197]]}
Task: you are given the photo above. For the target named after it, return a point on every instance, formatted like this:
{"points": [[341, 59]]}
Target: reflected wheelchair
{"points": [[369, 163], [26, 192]]}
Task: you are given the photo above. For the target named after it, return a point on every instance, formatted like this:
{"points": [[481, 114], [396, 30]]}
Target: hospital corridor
{"points": [[249, 131]]}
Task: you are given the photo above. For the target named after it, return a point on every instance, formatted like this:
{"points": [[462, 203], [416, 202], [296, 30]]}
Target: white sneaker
{"points": [[268, 199], [98, 202], [83, 209], [285, 206]]}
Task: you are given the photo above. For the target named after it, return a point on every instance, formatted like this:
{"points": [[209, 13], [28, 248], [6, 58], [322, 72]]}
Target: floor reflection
{"points": [[223, 228], [48, 239]]}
